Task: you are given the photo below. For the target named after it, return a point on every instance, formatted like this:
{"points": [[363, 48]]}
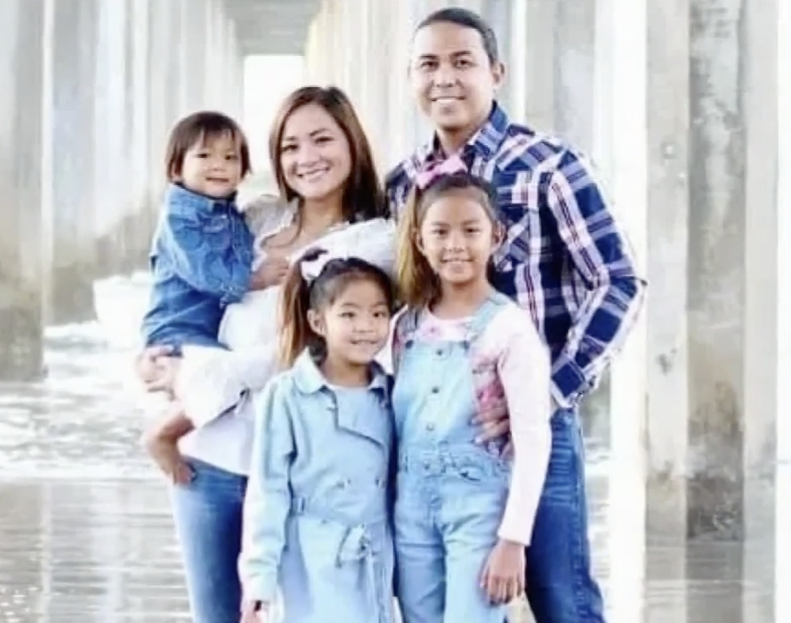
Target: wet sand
{"points": [[85, 534]]}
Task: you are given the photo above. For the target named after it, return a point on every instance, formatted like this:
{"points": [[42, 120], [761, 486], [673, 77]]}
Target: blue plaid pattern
{"points": [[564, 257]]}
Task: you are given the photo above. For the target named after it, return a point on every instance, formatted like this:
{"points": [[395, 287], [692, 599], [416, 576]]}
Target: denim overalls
{"points": [[451, 493]]}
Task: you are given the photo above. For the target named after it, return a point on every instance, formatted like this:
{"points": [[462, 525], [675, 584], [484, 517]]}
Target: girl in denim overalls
{"points": [[317, 520], [463, 514]]}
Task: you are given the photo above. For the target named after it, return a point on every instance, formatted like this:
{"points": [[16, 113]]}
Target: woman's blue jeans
{"points": [[208, 518]]}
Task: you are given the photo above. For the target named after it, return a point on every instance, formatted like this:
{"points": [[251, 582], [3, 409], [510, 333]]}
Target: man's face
{"points": [[453, 79]]}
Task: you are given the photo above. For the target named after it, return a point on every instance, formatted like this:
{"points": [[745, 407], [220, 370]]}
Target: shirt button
{"points": [[429, 426], [439, 352], [435, 390]]}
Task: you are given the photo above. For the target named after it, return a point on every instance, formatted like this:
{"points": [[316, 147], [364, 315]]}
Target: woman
{"points": [[330, 196]]}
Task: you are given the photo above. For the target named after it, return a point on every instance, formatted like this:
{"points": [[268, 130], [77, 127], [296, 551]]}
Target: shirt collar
{"points": [[309, 378], [486, 141], [178, 195]]}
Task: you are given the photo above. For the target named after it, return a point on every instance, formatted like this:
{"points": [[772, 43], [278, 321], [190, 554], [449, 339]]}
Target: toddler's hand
{"points": [[503, 577], [270, 273]]}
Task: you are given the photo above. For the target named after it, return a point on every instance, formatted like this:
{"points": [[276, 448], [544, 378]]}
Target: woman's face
{"points": [[314, 154]]}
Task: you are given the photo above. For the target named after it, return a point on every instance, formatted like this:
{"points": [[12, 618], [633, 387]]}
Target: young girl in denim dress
{"points": [[463, 514], [317, 521]]}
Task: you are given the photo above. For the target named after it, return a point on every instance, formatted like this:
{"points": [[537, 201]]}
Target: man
{"points": [[563, 259]]}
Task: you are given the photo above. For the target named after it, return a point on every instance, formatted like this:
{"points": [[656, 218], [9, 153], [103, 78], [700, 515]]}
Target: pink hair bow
{"points": [[451, 165]]}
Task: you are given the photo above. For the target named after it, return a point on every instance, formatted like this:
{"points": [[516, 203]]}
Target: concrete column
{"points": [[499, 14], [143, 208], [712, 364], [317, 49], [717, 487], [215, 93], [193, 47], [111, 137], [402, 110], [380, 74], [574, 32], [237, 56], [69, 141], [225, 64], [668, 340], [764, 368], [620, 144], [782, 228], [538, 75], [22, 27], [164, 88]]}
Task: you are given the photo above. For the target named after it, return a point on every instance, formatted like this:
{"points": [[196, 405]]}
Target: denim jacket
{"points": [[319, 492], [200, 260]]}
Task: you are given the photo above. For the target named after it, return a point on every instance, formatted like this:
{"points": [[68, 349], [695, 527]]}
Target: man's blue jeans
{"points": [[208, 518], [560, 587]]}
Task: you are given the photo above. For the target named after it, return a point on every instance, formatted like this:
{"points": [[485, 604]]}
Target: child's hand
{"points": [[270, 273], [255, 612], [503, 576]]}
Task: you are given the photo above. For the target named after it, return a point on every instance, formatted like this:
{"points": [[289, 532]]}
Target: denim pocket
{"points": [[486, 469], [217, 232]]}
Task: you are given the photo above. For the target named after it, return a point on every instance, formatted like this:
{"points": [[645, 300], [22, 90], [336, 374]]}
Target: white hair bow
{"points": [[312, 268]]}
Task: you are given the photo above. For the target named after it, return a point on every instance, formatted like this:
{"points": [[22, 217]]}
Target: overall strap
{"points": [[403, 333], [484, 314]]}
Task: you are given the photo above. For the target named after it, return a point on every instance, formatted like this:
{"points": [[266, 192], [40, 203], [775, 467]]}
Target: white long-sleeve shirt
{"points": [[213, 383]]}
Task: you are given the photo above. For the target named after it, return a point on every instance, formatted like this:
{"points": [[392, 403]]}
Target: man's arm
{"points": [[601, 255], [207, 260]]}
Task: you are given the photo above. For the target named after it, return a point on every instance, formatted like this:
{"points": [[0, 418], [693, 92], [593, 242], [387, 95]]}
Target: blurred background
{"points": [[684, 106]]}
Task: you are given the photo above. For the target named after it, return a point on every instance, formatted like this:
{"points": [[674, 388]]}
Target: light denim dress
{"points": [[317, 524]]}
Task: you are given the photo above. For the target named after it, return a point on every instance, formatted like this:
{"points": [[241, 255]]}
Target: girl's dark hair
{"points": [[200, 127], [299, 296], [466, 19], [418, 285], [363, 197]]}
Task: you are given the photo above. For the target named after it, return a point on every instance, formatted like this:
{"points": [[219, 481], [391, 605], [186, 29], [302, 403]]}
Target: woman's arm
{"points": [[212, 381], [523, 367], [268, 497]]}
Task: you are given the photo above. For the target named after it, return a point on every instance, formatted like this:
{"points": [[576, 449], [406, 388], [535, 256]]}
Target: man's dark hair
{"points": [[466, 19]]}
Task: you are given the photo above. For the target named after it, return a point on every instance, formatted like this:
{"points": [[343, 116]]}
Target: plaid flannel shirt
{"points": [[564, 258]]}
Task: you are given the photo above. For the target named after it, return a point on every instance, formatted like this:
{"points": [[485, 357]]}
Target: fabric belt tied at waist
{"points": [[356, 546]]}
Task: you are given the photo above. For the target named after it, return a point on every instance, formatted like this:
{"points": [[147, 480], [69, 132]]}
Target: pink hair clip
{"points": [[450, 166]]}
